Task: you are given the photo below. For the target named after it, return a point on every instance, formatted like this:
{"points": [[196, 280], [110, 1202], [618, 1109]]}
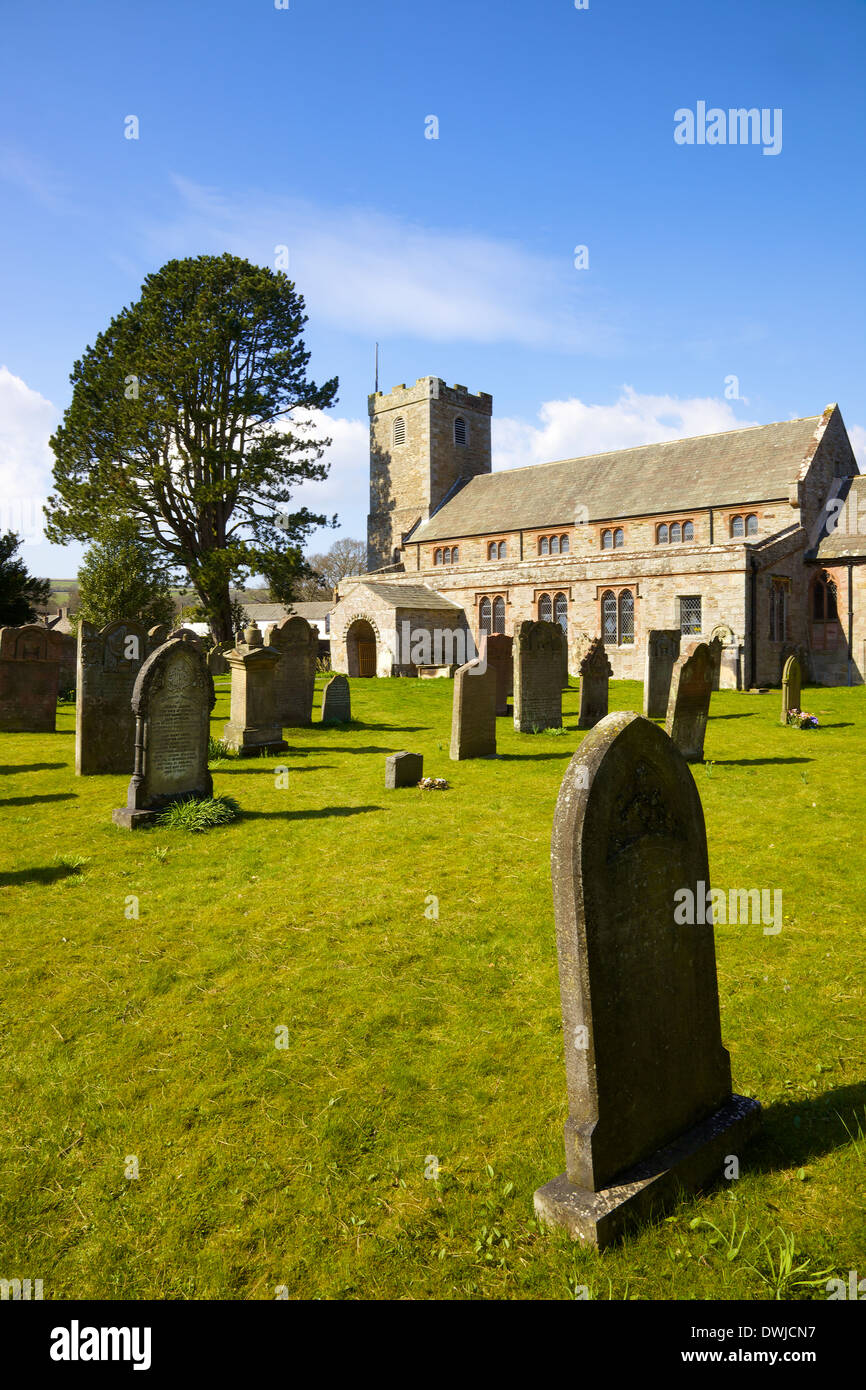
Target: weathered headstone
{"points": [[662, 650], [595, 673], [336, 701], [216, 659], [650, 1106], [403, 770], [499, 657], [109, 660], [297, 643], [689, 701], [172, 700], [537, 676], [157, 635], [29, 680], [791, 687], [254, 727], [473, 718], [185, 634]]}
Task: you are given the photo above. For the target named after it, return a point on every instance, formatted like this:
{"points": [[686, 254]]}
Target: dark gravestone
{"points": [[650, 1107], [662, 650], [254, 727], [109, 660], [216, 659], [537, 676], [791, 688], [185, 634], [473, 719], [403, 770], [172, 700], [297, 643], [499, 657], [29, 680], [689, 700], [336, 701], [595, 673]]}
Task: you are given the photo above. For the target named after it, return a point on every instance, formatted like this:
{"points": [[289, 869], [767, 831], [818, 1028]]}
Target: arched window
{"points": [[688, 531], [608, 618], [626, 617], [502, 549], [437, 557], [618, 538], [564, 546], [545, 608], [554, 545], [491, 551], [751, 524], [460, 431], [485, 615], [455, 555], [560, 611], [676, 533], [607, 540], [499, 615], [736, 527], [399, 430], [446, 556], [662, 534], [543, 546]]}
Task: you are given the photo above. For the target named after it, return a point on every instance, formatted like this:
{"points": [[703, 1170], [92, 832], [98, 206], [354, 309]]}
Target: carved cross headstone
{"points": [[473, 719], [650, 1107], [662, 650], [689, 700], [297, 643], [336, 701], [171, 700], [791, 687], [537, 676], [595, 673]]}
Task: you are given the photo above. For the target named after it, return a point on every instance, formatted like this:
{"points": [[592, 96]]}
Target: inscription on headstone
{"points": [[650, 1106], [336, 701], [595, 673], [689, 700], [662, 650], [109, 660], [473, 719], [537, 676]]}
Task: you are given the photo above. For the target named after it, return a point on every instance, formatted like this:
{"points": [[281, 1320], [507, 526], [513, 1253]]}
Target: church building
{"points": [[755, 535]]}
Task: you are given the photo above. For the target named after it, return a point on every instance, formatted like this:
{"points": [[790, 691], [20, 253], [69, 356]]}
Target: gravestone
{"points": [[595, 673], [336, 701], [253, 727], [650, 1105], [297, 643], [216, 659], [537, 676], [185, 634], [662, 650], [403, 770], [791, 687], [109, 660], [29, 680], [157, 635], [563, 655], [171, 700], [473, 718], [499, 657], [689, 700]]}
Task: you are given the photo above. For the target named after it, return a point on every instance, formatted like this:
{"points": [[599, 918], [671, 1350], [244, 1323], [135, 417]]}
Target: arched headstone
{"points": [[297, 643], [336, 701], [662, 650], [791, 687], [689, 700], [595, 674], [29, 680]]}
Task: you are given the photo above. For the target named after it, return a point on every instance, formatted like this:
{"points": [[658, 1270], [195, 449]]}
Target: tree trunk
{"points": [[217, 604]]}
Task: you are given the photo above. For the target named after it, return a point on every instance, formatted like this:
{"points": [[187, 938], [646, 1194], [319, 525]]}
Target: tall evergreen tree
{"points": [[21, 596]]}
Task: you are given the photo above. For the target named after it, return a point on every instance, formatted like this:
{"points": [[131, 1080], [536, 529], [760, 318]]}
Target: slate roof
{"points": [[848, 539], [759, 464], [407, 596]]}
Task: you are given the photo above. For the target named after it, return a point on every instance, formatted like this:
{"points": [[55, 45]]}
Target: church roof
{"points": [[848, 538], [713, 470], [406, 595]]}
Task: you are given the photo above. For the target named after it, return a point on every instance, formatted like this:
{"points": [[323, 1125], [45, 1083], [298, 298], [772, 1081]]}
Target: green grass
{"points": [[311, 922]]}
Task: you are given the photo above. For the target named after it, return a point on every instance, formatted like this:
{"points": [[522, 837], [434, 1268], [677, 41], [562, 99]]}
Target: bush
{"points": [[198, 814]]}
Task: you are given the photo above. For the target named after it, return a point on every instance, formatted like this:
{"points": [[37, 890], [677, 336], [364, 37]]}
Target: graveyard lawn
{"points": [[289, 1045]]}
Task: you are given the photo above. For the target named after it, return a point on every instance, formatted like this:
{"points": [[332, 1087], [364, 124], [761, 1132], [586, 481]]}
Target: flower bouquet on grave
{"points": [[802, 719], [433, 784]]}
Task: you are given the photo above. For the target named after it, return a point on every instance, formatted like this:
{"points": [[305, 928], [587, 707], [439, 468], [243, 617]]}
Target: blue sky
{"points": [[305, 127]]}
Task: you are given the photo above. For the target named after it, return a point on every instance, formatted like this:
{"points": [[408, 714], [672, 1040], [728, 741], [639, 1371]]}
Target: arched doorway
{"points": [[361, 648]]}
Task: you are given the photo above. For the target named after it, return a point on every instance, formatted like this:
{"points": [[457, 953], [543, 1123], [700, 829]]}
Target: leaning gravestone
{"points": [[336, 701], [109, 660], [172, 700], [689, 701], [662, 650], [497, 648], [29, 680], [537, 676], [403, 770], [254, 727], [473, 719], [595, 673], [650, 1106], [297, 643], [791, 688]]}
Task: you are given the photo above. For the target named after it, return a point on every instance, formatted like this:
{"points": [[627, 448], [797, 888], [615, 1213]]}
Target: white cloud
{"points": [[346, 490], [27, 421], [857, 435], [374, 274], [571, 428]]}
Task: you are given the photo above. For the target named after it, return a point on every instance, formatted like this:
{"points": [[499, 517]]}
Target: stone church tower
{"points": [[426, 440]]}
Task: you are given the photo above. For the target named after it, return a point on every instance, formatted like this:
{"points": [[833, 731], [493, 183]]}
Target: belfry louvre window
{"points": [[460, 431], [399, 430], [545, 608], [608, 618], [499, 615], [690, 614]]}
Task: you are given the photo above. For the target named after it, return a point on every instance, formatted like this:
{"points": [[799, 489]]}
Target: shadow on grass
{"points": [[320, 814], [746, 714], [31, 800], [270, 771], [833, 726], [46, 875], [757, 762], [46, 767], [533, 757], [368, 748], [795, 1131]]}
